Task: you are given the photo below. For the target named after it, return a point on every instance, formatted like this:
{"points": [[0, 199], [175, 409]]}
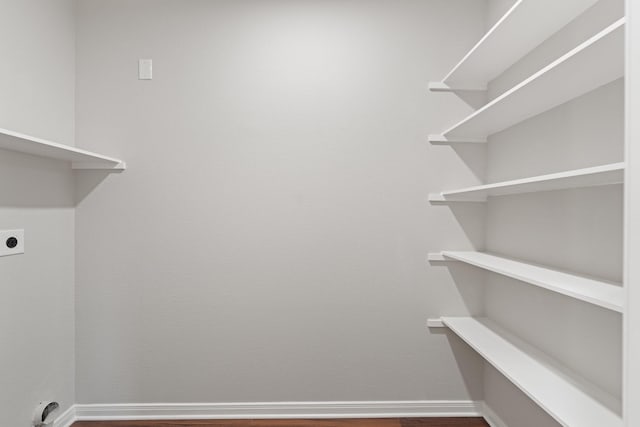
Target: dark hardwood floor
{"points": [[374, 422]]}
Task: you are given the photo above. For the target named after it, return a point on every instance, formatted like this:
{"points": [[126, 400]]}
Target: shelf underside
{"points": [[510, 39], [80, 159], [569, 399]]}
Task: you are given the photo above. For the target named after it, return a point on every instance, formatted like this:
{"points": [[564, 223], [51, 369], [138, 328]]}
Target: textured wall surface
{"points": [[268, 241], [37, 82]]}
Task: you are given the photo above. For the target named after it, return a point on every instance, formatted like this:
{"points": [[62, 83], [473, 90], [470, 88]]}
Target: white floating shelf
{"points": [[596, 62], [569, 399], [527, 24], [595, 291], [80, 159], [588, 177]]}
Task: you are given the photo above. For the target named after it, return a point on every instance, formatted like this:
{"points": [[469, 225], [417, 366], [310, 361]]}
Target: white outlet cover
{"points": [[145, 69], [5, 236]]}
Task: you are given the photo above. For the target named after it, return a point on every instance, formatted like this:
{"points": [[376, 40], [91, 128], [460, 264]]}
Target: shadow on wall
{"points": [[88, 180], [474, 99], [474, 157], [471, 218], [469, 284], [28, 181], [469, 363]]}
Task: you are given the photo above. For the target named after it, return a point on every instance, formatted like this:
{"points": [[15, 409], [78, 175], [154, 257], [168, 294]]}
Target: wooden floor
{"points": [[378, 422]]}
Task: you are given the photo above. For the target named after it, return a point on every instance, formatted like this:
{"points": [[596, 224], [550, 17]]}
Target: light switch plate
{"points": [[145, 69], [11, 242]]}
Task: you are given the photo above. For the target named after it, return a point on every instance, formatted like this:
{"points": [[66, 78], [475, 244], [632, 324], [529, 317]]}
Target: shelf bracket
{"points": [[437, 257], [117, 167], [435, 323], [438, 139], [444, 87], [439, 198]]}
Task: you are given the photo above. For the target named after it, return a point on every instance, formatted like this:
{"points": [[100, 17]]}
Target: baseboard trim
{"points": [[67, 418], [491, 417], [272, 410]]}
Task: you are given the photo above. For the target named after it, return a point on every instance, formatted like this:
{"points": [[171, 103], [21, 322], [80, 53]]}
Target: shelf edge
{"points": [[608, 303], [26, 144], [456, 195]]}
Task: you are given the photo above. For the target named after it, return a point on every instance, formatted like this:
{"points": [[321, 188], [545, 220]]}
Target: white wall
{"points": [[280, 153], [496, 10], [632, 210], [37, 301], [268, 240]]}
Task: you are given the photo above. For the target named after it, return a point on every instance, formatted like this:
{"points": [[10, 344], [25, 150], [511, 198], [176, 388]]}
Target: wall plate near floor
{"points": [[11, 242]]}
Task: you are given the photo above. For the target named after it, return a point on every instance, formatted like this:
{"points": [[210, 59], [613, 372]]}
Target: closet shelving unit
{"points": [[78, 158], [571, 400]]}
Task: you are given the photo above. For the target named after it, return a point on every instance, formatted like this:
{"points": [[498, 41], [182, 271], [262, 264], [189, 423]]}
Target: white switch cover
{"points": [[145, 69], [11, 242]]}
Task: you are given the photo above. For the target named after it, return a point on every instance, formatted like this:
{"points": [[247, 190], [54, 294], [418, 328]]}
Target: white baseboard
{"points": [[491, 417], [67, 418], [266, 410]]}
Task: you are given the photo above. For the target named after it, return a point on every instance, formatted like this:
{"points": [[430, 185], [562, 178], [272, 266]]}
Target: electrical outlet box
{"points": [[11, 242]]}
